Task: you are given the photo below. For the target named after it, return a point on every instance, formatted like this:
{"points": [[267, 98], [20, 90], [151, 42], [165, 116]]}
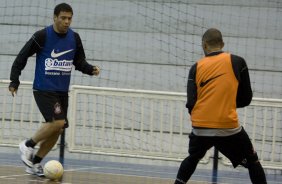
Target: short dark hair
{"points": [[63, 7], [212, 37]]}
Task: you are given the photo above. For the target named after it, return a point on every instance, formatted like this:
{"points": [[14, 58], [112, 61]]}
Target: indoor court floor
{"points": [[72, 177], [83, 171], [16, 175]]}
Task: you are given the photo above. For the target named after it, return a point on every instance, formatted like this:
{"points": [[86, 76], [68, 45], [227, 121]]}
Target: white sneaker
{"points": [[35, 170], [26, 154], [28, 170]]}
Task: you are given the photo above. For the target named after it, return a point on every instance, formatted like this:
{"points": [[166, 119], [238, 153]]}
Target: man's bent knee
{"points": [[57, 125], [253, 159]]}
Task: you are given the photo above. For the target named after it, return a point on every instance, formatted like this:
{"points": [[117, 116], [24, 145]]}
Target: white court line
{"points": [[71, 170], [81, 169], [150, 177], [114, 168], [9, 176], [141, 176], [119, 169], [131, 170]]}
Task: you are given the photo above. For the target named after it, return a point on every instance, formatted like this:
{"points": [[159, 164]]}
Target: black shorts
{"points": [[52, 105], [237, 148]]}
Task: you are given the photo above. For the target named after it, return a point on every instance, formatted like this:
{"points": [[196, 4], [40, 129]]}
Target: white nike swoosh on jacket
{"points": [[55, 55]]}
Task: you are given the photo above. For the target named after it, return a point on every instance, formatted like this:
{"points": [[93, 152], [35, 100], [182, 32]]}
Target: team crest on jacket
{"points": [[57, 108]]}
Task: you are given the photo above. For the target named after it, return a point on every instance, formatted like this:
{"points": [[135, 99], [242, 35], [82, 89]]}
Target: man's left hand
{"points": [[96, 70]]}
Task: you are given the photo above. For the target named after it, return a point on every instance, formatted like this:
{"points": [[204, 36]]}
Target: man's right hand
{"points": [[13, 90]]}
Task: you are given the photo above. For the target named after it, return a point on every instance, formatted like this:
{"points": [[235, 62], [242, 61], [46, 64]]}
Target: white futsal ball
{"points": [[53, 170]]}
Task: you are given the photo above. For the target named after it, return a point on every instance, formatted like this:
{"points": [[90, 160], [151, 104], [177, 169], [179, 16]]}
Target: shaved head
{"points": [[212, 41], [212, 37]]}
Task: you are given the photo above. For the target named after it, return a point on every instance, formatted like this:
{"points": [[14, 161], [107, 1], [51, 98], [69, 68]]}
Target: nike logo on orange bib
{"points": [[202, 84], [55, 55]]}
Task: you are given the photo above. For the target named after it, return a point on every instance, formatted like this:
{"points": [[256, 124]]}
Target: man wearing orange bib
{"points": [[217, 85]]}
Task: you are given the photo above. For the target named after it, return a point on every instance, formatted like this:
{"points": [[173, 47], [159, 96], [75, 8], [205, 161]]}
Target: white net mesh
{"points": [[149, 45]]}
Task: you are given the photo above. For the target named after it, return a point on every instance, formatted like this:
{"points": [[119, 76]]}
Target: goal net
{"points": [[145, 47]]}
